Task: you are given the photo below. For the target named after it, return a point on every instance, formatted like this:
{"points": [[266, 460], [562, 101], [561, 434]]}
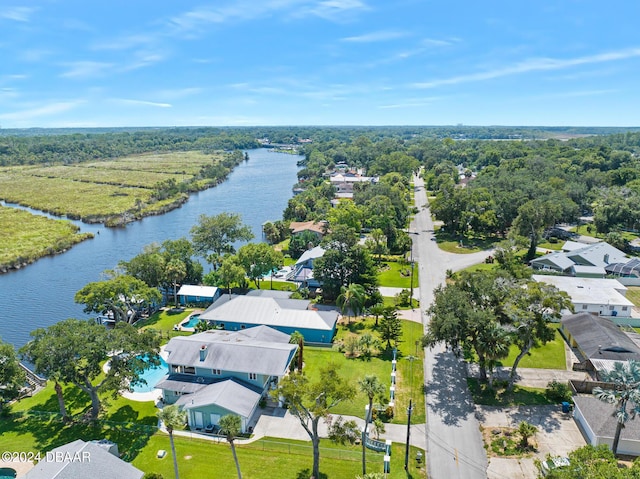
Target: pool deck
{"points": [[154, 395], [20, 467]]}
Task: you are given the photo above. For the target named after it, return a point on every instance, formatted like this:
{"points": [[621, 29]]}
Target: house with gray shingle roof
{"points": [[82, 460], [598, 425], [595, 337], [218, 372]]}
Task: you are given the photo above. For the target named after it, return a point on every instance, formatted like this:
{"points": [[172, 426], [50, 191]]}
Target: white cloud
{"points": [[532, 65], [142, 103], [18, 14], [85, 69], [332, 10], [38, 112], [379, 36]]}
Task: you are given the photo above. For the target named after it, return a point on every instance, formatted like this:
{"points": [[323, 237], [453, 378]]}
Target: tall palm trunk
{"points": [[235, 458], [173, 452]]}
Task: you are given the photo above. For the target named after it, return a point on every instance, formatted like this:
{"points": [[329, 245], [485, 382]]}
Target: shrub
{"points": [[558, 391]]}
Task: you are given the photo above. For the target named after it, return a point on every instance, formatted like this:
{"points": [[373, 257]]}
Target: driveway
{"points": [[558, 434]]}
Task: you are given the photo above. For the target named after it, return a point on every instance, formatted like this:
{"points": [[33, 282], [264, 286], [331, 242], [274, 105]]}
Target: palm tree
{"points": [[377, 310], [492, 345], [372, 387], [175, 272], [298, 338], [230, 426], [351, 298], [526, 430], [172, 417], [625, 378]]}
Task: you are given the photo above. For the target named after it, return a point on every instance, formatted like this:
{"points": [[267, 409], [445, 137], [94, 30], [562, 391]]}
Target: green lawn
{"points": [[466, 244], [520, 396], [164, 320], [276, 285], [633, 295], [394, 274], [549, 356], [273, 458], [409, 375], [393, 301]]}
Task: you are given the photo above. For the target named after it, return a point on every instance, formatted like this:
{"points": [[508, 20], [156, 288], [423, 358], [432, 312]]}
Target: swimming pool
{"points": [[191, 323], [7, 473], [152, 375]]}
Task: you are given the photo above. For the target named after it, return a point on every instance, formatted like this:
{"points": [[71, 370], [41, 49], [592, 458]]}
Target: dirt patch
{"points": [[506, 442]]}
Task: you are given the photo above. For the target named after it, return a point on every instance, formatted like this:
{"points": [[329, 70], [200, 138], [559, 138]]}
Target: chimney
{"points": [[203, 352]]}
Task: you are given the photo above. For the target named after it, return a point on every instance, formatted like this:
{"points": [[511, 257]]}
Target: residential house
{"points": [[318, 228], [598, 425], [605, 297], [587, 261], [344, 182], [627, 273], [238, 312], [201, 295], [302, 271], [595, 338], [80, 459], [217, 372]]}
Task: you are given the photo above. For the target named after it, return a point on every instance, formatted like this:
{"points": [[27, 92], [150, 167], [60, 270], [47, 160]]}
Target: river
{"points": [[41, 294]]}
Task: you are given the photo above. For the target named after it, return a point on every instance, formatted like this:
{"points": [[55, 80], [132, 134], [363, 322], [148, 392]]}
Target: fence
{"points": [[307, 450]]}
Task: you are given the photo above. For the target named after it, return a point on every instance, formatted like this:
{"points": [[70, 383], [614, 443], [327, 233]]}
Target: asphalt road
{"points": [[454, 444]]}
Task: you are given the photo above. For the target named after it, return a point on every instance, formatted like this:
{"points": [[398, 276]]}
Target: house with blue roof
{"points": [[217, 372]]}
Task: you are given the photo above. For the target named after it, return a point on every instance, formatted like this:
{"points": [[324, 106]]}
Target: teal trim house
{"points": [[216, 372], [237, 312]]}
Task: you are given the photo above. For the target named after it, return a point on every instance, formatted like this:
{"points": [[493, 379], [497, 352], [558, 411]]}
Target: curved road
{"points": [[454, 444]]}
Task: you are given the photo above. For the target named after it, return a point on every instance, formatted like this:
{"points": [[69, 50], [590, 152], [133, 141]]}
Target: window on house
{"points": [[242, 326], [611, 308], [624, 308], [175, 369], [177, 393], [216, 372], [189, 370], [253, 376], [584, 306]]}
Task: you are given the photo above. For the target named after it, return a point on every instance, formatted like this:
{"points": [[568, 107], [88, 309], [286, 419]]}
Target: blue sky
{"points": [[69, 63]]}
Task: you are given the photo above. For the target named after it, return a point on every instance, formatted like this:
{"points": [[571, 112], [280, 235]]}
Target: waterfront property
{"points": [[218, 372], [236, 312], [302, 272], [201, 295]]}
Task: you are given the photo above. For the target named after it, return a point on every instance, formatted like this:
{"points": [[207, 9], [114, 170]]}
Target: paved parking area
{"points": [[558, 434]]}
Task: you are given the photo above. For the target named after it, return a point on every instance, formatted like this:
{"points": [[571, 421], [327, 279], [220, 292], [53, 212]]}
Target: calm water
{"points": [[42, 293]]}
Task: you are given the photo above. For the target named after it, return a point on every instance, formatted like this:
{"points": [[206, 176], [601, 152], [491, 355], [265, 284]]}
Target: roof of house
{"points": [[100, 464], [572, 246], [600, 338], [579, 269], [290, 313], [228, 394], [300, 226], [597, 254], [313, 253], [589, 290], [630, 268], [270, 293], [201, 291], [599, 416], [260, 350]]}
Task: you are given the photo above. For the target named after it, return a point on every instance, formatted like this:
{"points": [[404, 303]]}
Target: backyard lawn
{"points": [[633, 295], [520, 396]]}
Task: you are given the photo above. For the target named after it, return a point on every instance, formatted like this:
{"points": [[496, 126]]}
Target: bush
{"points": [[558, 391]]}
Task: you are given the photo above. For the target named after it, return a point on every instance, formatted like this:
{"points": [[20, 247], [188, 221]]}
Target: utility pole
{"points": [[406, 453]]}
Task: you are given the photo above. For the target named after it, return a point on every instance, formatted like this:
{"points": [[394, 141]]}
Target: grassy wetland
{"points": [[27, 237], [113, 192]]}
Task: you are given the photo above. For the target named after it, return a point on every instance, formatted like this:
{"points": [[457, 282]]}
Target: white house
{"points": [[605, 297]]}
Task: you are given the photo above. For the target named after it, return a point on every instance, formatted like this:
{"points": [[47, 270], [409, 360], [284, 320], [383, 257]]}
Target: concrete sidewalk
{"points": [[280, 423], [537, 378]]}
